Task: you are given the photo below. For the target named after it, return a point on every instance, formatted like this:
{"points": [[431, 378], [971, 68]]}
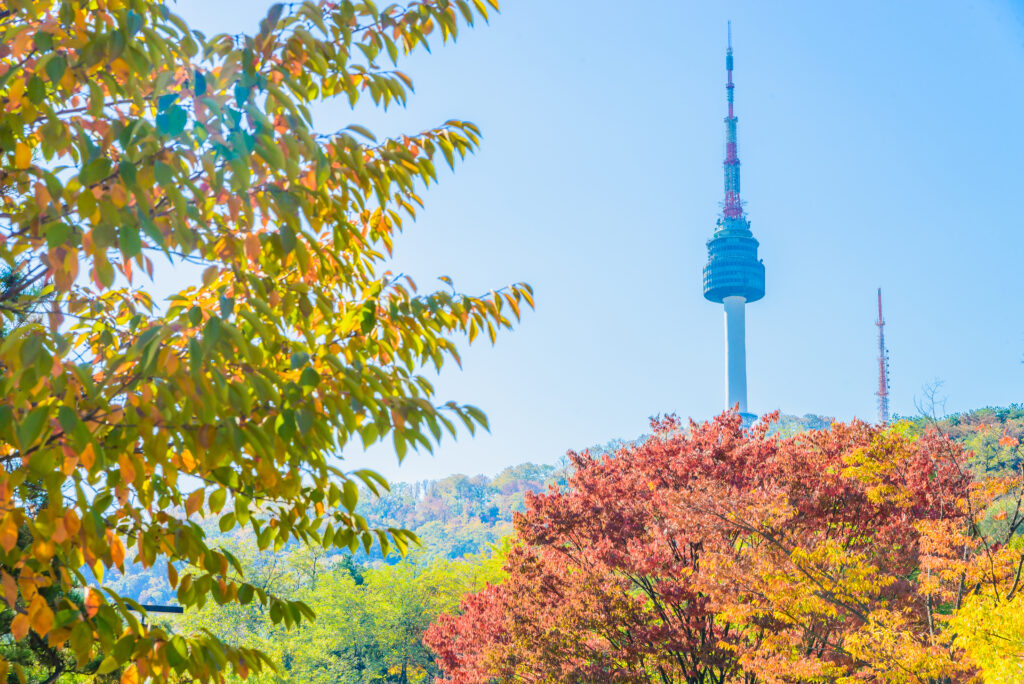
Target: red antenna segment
{"points": [[883, 367], [733, 208]]}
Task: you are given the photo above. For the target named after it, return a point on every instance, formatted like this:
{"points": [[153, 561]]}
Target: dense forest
{"points": [[374, 610]]}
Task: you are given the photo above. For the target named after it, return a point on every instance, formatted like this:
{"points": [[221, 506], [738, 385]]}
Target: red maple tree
{"points": [[717, 554]]}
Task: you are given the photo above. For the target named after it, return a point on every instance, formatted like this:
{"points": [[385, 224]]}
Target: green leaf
{"points": [[102, 502], [227, 306], [309, 378], [227, 522], [58, 234], [134, 22], [127, 172], [68, 419], [108, 665], [350, 495], [117, 44], [163, 173], [165, 101], [217, 499], [36, 90], [365, 132], [287, 238], [478, 416], [31, 426], [368, 316], [172, 122], [199, 87], [95, 171], [55, 68], [129, 241], [43, 41]]}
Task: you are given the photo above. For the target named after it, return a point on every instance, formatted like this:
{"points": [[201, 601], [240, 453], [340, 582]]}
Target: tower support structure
{"points": [[734, 275]]}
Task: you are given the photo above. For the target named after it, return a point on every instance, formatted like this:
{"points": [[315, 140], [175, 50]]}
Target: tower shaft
{"points": [[735, 353]]}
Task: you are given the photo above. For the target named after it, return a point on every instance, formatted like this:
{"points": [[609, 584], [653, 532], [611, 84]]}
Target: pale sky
{"points": [[881, 147]]}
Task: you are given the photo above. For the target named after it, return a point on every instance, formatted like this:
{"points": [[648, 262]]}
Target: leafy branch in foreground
{"points": [[125, 135]]}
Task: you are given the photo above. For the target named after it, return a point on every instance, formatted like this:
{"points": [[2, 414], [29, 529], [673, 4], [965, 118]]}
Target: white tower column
{"points": [[735, 352]]}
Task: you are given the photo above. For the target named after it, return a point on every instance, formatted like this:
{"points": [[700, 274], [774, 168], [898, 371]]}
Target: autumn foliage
{"points": [[717, 554], [128, 137]]}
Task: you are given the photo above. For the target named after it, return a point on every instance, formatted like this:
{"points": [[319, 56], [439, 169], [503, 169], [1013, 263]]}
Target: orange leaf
{"points": [[92, 603], [8, 532], [127, 468], [116, 549], [71, 522], [10, 590], [88, 456], [1007, 441], [60, 531], [22, 156], [19, 626], [194, 501], [130, 676]]}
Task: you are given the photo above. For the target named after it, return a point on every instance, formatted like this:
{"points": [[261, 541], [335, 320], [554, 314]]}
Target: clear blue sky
{"points": [[881, 145]]}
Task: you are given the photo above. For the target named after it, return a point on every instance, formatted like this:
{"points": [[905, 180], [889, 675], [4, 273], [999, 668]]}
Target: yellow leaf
{"points": [[44, 550], [41, 617], [22, 156]]}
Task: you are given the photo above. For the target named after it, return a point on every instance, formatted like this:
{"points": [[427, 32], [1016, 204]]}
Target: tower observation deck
{"points": [[733, 276]]}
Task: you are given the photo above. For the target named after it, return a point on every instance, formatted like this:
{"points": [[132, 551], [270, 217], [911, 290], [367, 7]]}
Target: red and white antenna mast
{"points": [[883, 367]]}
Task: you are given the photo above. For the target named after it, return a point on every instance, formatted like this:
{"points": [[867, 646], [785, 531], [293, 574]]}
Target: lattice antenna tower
{"points": [[883, 367]]}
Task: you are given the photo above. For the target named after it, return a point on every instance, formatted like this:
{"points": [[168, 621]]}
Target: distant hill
{"points": [[993, 433], [461, 515], [455, 516]]}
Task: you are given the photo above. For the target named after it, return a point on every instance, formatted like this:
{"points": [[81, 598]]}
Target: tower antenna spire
{"points": [[728, 25], [733, 206], [883, 367]]}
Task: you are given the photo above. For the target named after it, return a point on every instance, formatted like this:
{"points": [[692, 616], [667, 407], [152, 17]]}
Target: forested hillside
{"points": [[462, 515], [373, 611], [454, 517]]}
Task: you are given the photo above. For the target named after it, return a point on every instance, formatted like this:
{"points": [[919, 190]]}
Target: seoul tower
{"points": [[734, 276]]}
